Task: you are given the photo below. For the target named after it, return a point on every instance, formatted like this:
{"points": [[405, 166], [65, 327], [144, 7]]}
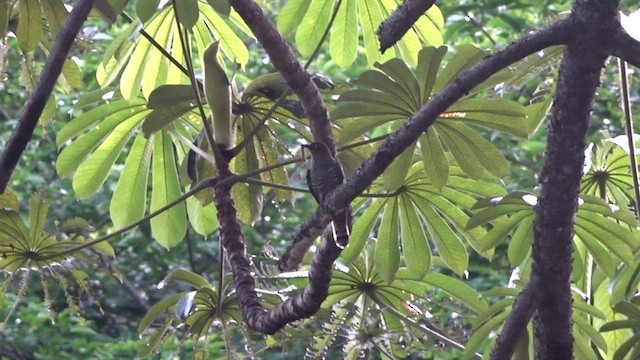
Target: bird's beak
{"points": [[304, 146]]}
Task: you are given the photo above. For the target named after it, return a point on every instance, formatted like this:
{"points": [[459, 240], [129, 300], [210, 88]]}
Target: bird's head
{"points": [[317, 148]]}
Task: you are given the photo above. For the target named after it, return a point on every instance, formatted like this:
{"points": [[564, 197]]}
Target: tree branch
{"points": [[594, 24], [256, 316], [397, 142], [517, 321], [627, 48], [288, 65], [38, 99], [395, 26]]}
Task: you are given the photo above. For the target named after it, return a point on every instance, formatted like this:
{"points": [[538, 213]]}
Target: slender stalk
{"points": [[156, 45], [628, 124], [200, 186], [419, 326], [288, 92], [274, 185], [184, 42]]}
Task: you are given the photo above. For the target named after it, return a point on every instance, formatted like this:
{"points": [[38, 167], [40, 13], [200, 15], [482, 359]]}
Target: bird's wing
{"points": [[312, 188]]}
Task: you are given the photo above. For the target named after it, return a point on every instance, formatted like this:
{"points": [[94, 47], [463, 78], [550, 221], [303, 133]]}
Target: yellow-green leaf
{"points": [[168, 228], [29, 31]]}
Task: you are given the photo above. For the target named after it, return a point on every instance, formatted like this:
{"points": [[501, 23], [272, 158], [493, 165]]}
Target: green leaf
{"points": [[499, 114], [370, 20], [170, 95], [221, 6], [92, 173], [459, 290], [466, 144], [138, 63], [158, 309], [313, 25], [600, 254], [231, 44], [9, 200], [482, 333], [56, 14], [72, 74], [433, 158], [343, 44], [203, 219], [536, 113], [129, 198], [429, 60], [465, 57], [626, 347], [265, 145], [608, 233], [115, 113], [377, 80], [217, 91], [398, 71], [395, 175], [158, 119], [291, 14], [361, 231], [521, 241], [145, 9], [582, 347], [248, 197], [501, 229], [13, 227], [449, 246], [29, 30], [38, 210], [187, 12], [107, 10], [104, 248], [597, 338], [429, 27], [168, 228], [188, 277], [415, 248], [4, 17], [387, 252]]}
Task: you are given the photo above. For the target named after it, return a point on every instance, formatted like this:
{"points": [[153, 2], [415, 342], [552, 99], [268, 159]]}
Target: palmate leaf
{"points": [[129, 198], [310, 18], [610, 173], [416, 215], [395, 92], [29, 32], [492, 318], [169, 227], [609, 235], [359, 284], [145, 67]]}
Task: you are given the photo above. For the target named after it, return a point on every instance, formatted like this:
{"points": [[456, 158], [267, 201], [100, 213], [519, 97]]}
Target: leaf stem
{"points": [[186, 49], [628, 124], [209, 182], [288, 92], [156, 45]]}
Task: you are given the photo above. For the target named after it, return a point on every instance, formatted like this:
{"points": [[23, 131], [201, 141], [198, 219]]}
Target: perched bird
{"points": [[323, 177]]}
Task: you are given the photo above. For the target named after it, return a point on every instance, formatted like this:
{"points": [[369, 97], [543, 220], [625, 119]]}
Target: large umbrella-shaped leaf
{"points": [[417, 216], [310, 19], [609, 234], [394, 92]]}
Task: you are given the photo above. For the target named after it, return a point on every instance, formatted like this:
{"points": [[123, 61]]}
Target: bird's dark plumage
{"points": [[324, 176]]}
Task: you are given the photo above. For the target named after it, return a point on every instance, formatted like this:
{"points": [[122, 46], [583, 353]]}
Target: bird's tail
{"points": [[341, 228]]}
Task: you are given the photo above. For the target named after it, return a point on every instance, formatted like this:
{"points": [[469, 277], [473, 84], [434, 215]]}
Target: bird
{"points": [[324, 176]]}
